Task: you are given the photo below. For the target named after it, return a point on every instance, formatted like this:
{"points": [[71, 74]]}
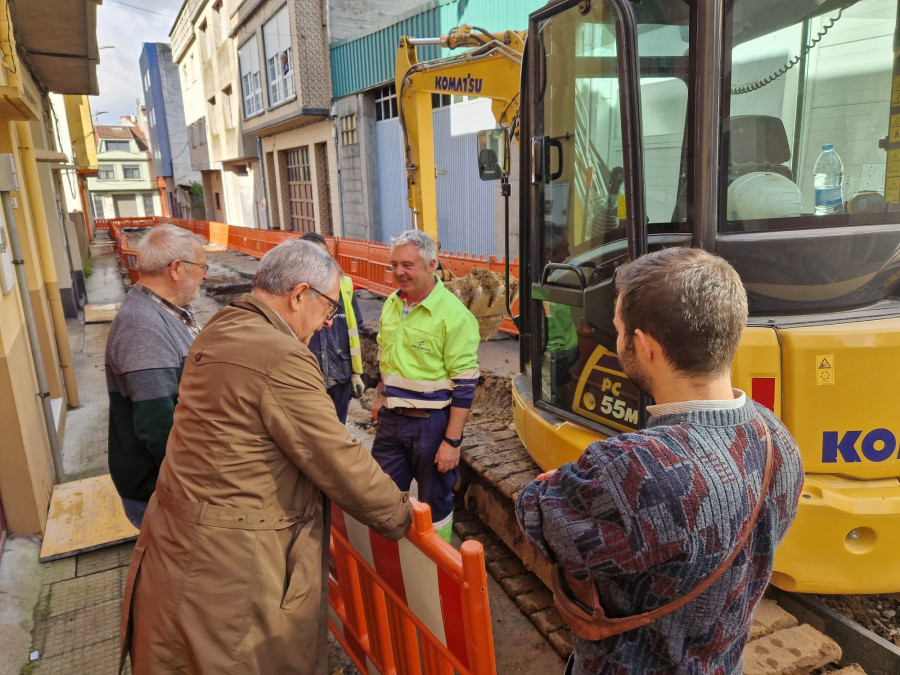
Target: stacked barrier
{"points": [[413, 607], [368, 263]]}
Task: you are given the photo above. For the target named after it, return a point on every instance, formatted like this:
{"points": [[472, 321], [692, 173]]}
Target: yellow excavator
{"points": [[664, 123]]}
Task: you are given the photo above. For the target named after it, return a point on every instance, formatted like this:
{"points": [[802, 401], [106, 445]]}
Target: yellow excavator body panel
{"points": [[834, 387]]}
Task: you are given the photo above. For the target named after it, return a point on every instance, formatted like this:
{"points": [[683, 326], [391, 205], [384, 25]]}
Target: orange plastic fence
{"points": [[413, 607], [368, 263]]}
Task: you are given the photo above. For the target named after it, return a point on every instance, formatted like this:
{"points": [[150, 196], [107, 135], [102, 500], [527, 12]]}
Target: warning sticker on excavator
{"points": [[895, 128], [892, 191], [825, 369], [893, 164]]}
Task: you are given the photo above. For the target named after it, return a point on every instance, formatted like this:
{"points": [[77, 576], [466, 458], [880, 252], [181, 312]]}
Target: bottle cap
{"points": [[828, 147]]}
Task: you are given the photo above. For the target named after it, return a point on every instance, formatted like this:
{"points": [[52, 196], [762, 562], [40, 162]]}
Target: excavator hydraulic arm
{"points": [[490, 68]]}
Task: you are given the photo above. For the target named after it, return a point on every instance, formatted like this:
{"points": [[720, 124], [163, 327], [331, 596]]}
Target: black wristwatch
{"points": [[453, 442]]}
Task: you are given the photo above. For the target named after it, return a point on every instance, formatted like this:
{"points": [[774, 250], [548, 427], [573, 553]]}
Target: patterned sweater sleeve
{"points": [[579, 516]]}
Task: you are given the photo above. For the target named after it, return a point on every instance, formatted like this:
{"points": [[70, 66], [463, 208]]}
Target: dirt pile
{"points": [[484, 293]]}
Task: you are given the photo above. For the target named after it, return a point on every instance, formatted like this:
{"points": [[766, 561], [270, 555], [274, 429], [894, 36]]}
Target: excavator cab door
{"points": [[586, 205]]}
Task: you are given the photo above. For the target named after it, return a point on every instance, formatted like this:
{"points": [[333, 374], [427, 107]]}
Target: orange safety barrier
{"points": [[368, 263], [413, 607]]}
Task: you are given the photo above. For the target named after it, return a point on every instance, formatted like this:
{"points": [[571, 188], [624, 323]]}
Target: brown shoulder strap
{"points": [[706, 583], [583, 612]]}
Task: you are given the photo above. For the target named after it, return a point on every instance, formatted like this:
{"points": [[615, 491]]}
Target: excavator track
{"points": [[792, 633]]}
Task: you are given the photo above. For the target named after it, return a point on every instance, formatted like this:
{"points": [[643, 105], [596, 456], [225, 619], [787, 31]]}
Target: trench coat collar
{"points": [[251, 303]]}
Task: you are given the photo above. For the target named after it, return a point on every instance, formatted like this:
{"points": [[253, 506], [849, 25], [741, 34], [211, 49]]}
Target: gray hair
{"points": [[293, 262], [163, 244], [425, 244]]}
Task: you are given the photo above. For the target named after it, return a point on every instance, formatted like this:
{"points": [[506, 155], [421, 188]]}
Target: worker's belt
{"points": [[203, 513], [411, 412]]}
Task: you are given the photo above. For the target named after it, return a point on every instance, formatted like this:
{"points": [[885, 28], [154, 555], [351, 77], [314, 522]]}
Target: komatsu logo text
{"points": [[877, 445], [464, 85]]}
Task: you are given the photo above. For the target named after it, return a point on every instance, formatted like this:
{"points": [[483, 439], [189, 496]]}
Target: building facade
{"points": [[168, 133], [205, 54], [125, 185]]}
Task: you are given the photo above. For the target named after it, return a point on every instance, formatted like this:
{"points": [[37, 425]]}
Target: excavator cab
{"points": [[667, 123]]}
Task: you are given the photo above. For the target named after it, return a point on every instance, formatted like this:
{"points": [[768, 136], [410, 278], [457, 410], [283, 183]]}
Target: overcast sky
{"points": [[126, 25]]}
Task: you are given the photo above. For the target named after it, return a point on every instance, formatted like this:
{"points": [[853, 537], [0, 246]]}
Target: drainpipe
{"points": [[51, 283], [28, 311]]}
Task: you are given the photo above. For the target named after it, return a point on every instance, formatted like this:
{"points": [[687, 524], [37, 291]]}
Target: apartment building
{"points": [[225, 156], [168, 134], [125, 185]]}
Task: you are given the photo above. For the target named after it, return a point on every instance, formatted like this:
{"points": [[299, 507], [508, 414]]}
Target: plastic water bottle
{"points": [[828, 174]]}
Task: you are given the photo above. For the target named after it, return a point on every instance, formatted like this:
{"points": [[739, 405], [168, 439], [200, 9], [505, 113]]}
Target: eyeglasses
{"points": [[204, 266], [335, 306]]}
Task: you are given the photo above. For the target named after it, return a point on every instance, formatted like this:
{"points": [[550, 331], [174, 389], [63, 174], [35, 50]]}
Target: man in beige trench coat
{"points": [[229, 573]]}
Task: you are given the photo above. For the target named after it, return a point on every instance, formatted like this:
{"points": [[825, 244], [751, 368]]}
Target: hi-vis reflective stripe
{"points": [[420, 386], [352, 324], [433, 598]]}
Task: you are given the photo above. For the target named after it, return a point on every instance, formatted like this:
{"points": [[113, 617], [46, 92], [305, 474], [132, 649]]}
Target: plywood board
{"points": [[85, 515], [100, 313]]}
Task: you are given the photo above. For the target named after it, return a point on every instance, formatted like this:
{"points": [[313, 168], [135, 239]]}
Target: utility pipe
{"points": [[48, 266]]}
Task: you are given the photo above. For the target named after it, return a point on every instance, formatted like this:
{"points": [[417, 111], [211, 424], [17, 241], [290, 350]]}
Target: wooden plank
{"points": [[84, 515], [100, 313]]}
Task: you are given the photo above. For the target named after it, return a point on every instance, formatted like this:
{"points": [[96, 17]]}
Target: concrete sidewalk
{"points": [[63, 616]]}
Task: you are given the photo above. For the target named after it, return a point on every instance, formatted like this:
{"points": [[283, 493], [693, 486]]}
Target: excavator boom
{"points": [[490, 68]]}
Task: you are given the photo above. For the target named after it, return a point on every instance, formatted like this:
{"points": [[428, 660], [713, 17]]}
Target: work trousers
{"points": [[340, 394], [405, 448]]}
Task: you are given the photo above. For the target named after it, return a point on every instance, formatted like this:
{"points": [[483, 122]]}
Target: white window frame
{"points": [[97, 203], [278, 56], [116, 140], [251, 87], [148, 200], [128, 167], [106, 167]]}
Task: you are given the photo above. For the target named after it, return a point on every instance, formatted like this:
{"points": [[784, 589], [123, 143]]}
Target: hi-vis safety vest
{"points": [[352, 326]]}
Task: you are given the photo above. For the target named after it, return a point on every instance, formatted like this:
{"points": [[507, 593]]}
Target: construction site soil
{"points": [[492, 451]]}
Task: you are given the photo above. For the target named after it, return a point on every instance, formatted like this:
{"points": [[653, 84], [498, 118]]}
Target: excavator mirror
{"points": [[493, 154]]}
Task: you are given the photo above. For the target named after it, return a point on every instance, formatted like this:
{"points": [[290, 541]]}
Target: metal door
{"points": [[300, 191]]}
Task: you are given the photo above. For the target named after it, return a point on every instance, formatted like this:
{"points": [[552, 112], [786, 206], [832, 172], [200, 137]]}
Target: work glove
{"points": [[356, 385]]}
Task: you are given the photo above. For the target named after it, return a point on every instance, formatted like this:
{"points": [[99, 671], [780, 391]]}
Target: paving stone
{"points": [[58, 570], [535, 601], [768, 618], [562, 641], [520, 584], [96, 561], [81, 629], [508, 566], [101, 657], [468, 529], [794, 651], [547, 620], [83, 592]]}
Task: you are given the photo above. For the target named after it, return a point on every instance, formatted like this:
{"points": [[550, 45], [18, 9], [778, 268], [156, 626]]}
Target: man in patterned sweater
{"points": [[145, 351], [648, 516]]}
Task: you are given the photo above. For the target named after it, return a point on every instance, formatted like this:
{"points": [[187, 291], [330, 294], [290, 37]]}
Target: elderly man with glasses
{"points": [[230, 572], [145, 351]]}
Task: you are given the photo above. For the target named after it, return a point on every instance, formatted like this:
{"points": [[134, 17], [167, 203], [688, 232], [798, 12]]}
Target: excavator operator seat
{"points": [[757, 143], [488, 165]]}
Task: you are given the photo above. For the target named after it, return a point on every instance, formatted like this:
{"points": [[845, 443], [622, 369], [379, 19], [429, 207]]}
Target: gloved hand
{"points": [[356, 385]]}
